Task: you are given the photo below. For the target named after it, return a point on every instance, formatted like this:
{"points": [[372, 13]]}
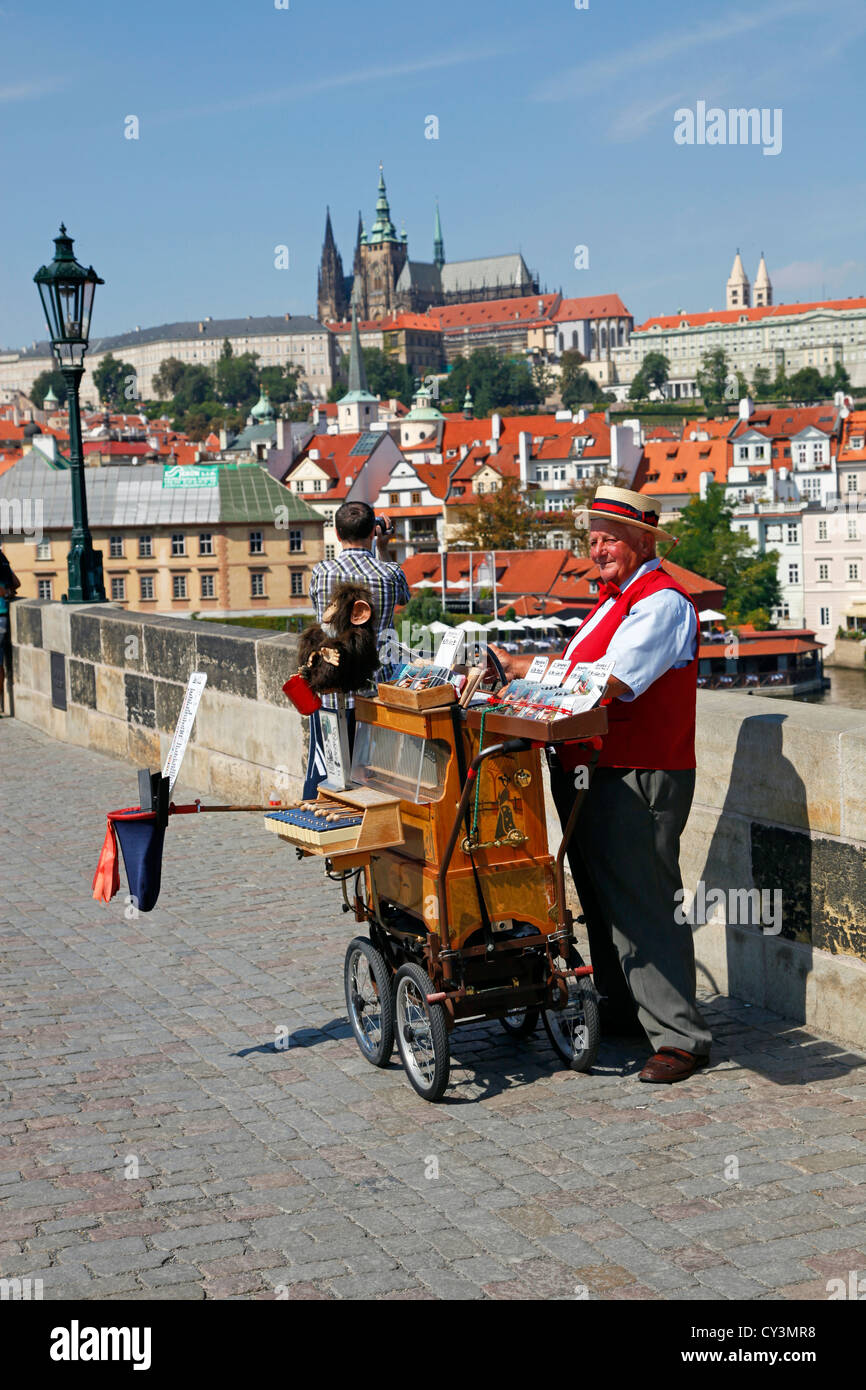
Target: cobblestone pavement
{"points": [[156, 1144]]}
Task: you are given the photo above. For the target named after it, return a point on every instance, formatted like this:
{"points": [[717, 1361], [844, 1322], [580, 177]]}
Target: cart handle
{"points": [[511, 745]]}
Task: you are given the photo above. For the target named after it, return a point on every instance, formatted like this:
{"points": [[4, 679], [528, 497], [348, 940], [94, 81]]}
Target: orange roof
{"points": [[794, 646], [716, 429], [419, 322], [430, 510], [784, 421], [853, 428], [492, 311], [596, 306], [772, 311], [662, 432], [675, 466]]}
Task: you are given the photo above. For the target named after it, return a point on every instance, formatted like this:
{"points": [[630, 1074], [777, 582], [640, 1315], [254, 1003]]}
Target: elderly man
{"points": [[624, 853]]}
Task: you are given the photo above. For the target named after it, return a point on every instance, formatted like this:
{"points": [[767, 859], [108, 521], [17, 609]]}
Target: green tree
{"points": [[639, 389], [113, 380], [712, 376], [838, 380], [781, 390], [576, 387], [761, 384], [495, 381], [281, 384], [656, 371], [39, 389], [807, 385], [168, 377], [237, 380], [543, 379]]}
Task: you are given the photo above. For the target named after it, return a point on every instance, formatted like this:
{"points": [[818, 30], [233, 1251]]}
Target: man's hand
{"points": [[384, 532], [512, 664], [615, 688]]}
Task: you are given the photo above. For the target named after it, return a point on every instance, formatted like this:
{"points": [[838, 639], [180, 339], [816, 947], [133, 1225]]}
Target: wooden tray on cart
{"points": [[434, 697], [573, 726], [381, 828]]}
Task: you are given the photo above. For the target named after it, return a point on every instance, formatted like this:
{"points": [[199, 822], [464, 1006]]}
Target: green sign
{"points": [[189, 475]]}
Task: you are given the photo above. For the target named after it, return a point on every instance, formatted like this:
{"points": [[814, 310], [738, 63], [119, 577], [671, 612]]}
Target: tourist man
{"points": [[355, 523], [624, 853]]}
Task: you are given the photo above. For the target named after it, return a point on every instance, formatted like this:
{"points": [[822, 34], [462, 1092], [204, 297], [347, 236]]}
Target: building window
{"points": [[744, 451], [178, 586], [852, 528], [823, 571], [330, 552], [317, 485], [257, 584], [146, 582], [297, 583], [825, 617], [853, 569], [207, 586], [118, 588], [793, 574], [801, 453], [178, 543], [44, 587], [115, 547], [822, 530], [817, 453], [43, 550], [296, 540], [416, 499], [793, 532], [852, 482], [759, 451], [393, 499], [145, 548], [257, 545], [205, 543]]}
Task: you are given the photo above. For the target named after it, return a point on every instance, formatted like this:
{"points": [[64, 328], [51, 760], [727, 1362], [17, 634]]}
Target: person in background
{"points": [[9, 582], [356, 524]]}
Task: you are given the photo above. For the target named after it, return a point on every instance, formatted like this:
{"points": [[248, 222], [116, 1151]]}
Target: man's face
{"points": [[618, 549]]}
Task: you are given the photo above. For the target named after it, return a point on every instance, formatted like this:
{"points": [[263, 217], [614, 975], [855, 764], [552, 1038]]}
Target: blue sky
{"points": [[555, 130]]}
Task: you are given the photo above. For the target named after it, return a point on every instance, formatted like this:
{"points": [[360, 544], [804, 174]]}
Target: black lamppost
{"points": [[66, 290]]}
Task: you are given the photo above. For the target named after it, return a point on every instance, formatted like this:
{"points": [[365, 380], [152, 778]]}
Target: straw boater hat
{"points": [[630, 508]]}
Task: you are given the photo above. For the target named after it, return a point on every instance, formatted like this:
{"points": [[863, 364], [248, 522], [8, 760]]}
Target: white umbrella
{"points": [[472, 627], [436, 626], [711, 615], [554, 622], [425, 584], [571, 622]]}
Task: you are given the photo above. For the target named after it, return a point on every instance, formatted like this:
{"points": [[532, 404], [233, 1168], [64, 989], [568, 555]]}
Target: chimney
{"points": [[281, 437], [524, 442], [704, 482], [464, 450], [580, 417], [771, 485], [747, 408], [224, 440]]}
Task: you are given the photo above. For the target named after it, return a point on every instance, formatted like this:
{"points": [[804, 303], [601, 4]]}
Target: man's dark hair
{"points": [[355, 521]]}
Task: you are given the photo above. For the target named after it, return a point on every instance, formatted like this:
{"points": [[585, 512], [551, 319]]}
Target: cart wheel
{"points": [[575, 1030], [369, 1001], [422, 1035], [520, 1023]]}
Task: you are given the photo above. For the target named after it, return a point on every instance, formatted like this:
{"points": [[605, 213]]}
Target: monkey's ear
{"points": [[361, 612]]}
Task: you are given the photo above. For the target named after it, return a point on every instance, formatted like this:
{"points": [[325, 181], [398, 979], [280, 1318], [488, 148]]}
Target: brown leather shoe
{"points": [[671, 1064]]}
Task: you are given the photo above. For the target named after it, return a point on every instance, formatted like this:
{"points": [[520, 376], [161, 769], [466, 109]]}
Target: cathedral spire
{"points": [[331, 298], [438, 243], [357, 370], [383, 228]]}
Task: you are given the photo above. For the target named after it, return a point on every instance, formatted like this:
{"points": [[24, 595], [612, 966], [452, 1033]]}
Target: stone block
{"points": [[169, 698], [31, 670], [85, 634], [26, 622], [123, 643], [258, 733], [277, 659], [140, 700], [169, 652], [55, 627], [229, 663], [110, 691], [143, 748], [232, 780], [853, 790], [788, 966], [111, 736], [82, 683]]}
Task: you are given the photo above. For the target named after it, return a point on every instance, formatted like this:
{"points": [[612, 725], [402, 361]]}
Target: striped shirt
{"points": [[385, 580]]}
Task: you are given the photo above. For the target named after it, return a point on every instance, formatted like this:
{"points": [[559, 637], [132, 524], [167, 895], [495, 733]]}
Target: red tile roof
{"points": [[854, 427], [785, 421], [665, 459], [596, 306], [491, 311], [418, 322], [753, 315]]}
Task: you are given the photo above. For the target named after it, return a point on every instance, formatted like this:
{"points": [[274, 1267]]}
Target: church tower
{"points": [[383, 254], [438, 243], [763, 286], [331, 302], [358, 409], [738, 291]]}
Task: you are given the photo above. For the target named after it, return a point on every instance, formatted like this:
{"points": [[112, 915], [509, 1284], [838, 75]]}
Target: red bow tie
{"points": [[609, 590]]}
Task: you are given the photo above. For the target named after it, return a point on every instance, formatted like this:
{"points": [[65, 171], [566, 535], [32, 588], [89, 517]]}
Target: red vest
{"points": [[657, 729]]}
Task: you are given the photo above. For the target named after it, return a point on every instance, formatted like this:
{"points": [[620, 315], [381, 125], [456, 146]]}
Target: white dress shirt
{"points": [[659, 633]]}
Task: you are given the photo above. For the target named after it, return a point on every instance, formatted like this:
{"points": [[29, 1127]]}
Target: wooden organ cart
{"points": [[450, 868]]}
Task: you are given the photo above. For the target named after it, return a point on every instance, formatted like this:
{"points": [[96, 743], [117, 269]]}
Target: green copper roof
{"points": [[383, 228], [263, 410], [250, 494], [357, 374]]}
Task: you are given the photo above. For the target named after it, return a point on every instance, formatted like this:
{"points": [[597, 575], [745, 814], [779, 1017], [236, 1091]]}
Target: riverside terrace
{"points": [[159, 1143]]}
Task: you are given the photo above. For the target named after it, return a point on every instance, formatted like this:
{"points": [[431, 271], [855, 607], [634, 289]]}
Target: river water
{"points": [[847, 687]]}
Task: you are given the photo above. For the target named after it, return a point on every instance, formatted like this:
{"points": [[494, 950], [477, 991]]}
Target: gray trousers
{"points": [[624, 856]]}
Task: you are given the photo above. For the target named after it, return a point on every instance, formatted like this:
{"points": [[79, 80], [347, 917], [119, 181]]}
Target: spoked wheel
{"points": [[422, 1034], [520, 1023], [575, 1030], [369, 1001]]}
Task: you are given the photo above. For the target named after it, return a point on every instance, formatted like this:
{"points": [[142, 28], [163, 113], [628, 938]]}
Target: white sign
{"points": [[556, 672], [183, 729], [448, 648], [537, 668]]}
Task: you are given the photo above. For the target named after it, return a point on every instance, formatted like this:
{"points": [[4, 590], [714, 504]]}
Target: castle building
{"points": [[384, 281]]}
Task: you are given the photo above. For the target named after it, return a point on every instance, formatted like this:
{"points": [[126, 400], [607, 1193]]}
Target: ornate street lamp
{"points": [[66, 290]]}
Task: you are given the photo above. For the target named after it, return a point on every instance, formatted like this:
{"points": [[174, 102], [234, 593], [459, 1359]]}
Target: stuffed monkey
{"points": [[341, 655]]}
